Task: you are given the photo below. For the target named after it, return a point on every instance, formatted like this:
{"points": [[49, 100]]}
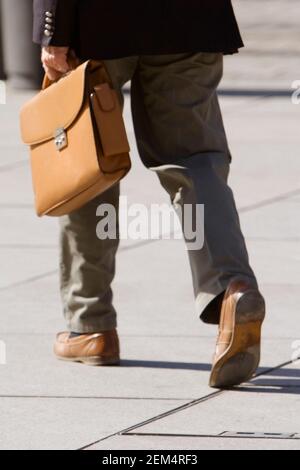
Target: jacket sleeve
{"points": [[54, 22]]}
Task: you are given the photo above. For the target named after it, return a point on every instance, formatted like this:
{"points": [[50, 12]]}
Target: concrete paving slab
{"points": [[11, 156], [273, 223], [158, 367], [32, 307], [229, 412], [16, 188], [192, 443], [27, 316], [282, 310], [9, 114], [165, 368], [22, 228], [264, 152], [68, 424], [275, 263], [19, 265]]}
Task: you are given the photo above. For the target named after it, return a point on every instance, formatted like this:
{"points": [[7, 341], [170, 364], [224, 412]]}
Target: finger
{"points": [[57, 62], [52, 74]]}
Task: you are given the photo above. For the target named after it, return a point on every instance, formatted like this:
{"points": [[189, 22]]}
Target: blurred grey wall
{"points": [[21, 58], [1, 51]]}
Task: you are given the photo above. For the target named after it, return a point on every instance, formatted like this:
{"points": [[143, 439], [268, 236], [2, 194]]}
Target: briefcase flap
{"points": [[54, 108]]}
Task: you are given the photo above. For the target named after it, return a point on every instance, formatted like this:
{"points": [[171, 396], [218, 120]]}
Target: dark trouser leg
{"points": [[180, 135]]}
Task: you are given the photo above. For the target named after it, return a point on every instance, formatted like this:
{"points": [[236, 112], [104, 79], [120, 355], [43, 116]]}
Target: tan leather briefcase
{"points": [[77, 140]]}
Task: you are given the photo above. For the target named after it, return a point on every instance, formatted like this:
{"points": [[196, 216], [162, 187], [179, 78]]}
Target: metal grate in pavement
{"points": [[223, 435], [260, 435]]}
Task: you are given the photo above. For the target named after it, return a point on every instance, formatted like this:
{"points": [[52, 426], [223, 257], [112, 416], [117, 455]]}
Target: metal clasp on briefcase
{"points": [[60, 139]]}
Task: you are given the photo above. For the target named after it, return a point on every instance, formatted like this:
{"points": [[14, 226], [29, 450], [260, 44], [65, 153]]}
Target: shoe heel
{"points": [[250, 308], [237, 369]]}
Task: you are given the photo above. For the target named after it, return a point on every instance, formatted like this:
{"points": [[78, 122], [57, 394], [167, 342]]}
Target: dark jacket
{"points": [[106, 29]]}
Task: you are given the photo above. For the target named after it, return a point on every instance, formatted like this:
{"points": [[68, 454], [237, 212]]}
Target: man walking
{"points": [[172, 52]]}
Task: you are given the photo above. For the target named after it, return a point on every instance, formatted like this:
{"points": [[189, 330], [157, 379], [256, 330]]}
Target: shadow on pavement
{"points": [[274, 381], [166, 365]]}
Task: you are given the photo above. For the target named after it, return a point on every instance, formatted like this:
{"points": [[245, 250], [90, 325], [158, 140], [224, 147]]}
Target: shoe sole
{"points": [[93, 360], [241, 360]]}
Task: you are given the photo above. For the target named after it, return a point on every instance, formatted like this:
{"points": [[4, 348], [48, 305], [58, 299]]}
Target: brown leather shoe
{"points": [[98, 349], [238, 346]]}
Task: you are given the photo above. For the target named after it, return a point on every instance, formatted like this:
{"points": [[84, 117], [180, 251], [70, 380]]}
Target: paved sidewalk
{"points": [[159, 397]]}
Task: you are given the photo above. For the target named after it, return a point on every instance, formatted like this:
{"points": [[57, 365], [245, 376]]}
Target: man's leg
{"points": [[87, 263], [180, 135], [88, 268]]}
